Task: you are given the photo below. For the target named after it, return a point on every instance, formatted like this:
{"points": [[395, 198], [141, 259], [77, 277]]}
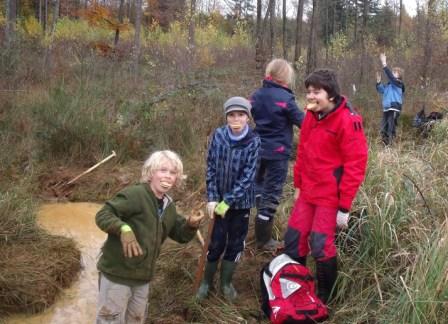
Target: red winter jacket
{"points": [[331, 157]]}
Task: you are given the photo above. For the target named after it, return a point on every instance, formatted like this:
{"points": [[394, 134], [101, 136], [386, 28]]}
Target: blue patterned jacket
{"points": [[231, 167]]}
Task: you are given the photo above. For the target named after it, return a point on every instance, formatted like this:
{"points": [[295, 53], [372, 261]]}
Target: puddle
{"points": [[76, 304]]}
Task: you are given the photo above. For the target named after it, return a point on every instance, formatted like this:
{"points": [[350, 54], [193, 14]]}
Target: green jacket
{"points": [[137, 206]]}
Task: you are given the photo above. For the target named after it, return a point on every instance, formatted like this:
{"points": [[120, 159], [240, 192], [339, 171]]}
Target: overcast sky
{"points": [[291, 5], [410, 6]]}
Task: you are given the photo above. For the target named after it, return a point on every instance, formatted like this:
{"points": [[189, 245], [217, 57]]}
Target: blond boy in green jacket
{"points": [[138, 220]]}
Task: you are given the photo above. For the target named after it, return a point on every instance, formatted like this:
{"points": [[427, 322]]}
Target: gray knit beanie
{"points": [[237, 104]]}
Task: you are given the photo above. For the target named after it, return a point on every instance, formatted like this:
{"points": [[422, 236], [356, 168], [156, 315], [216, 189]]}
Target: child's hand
{"points": [[296, 193], [378, 77], [221, 209], [195, 220], [130, 245], [211, 208], [342, 219], [383, 59]]}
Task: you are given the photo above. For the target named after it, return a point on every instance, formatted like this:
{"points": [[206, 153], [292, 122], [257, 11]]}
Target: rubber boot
{"points": [[227, 289], [207, 281], [301, 260], [326, 273], [263, 235]]}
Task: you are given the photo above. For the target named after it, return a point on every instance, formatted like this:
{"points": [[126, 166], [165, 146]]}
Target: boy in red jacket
{"points": [[330, 167]]}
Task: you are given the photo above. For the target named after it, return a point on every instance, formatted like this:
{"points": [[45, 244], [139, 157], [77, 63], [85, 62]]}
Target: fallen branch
{"points": [[420, 192]]}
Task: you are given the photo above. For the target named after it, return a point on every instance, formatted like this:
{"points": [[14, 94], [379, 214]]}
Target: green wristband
{"points": [[222, 208], [125, 228]]}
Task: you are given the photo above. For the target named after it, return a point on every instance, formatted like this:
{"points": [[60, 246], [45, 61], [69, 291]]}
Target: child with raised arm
{"points": [[330, 167], [137, 221], [392, 101], [231, 164], [275, 112]]}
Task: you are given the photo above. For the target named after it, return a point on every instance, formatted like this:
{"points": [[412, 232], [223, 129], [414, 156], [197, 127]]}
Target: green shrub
{"points": [[71, 126], [30, 27], [75, 30]]}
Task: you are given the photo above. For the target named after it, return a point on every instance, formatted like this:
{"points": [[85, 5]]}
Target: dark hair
{"points": [[324, 79]]}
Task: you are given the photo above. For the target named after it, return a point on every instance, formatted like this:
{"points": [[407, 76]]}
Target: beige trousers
{"points": [[121, 304]]}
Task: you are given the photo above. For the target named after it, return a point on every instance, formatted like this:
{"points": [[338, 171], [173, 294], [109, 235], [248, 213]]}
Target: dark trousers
{"points": [[269, 181], [228, 235], [388, 125]]}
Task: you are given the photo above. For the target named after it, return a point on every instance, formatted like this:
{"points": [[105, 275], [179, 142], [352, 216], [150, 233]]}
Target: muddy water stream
{"points": [[77, 304]]}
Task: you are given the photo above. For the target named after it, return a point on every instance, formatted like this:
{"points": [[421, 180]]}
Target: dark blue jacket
{"points": [[231, 169], [275, 111], [392, 91]]}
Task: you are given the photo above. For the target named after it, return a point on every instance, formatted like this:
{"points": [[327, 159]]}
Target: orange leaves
{"points": [[101, 16]]}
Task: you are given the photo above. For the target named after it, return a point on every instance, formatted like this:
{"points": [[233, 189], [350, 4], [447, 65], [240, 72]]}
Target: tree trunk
{"points": [[427, 50], [263, 31], [40, 12], [363, 41], [355, 28], [45, 21], [258, 39], [299, 24], [11, 15], [191, 25], [285, 55], [120, 20], [400, 18], [271, 28], [333, 19], [327, 30], [311, 62], [55, 15], [138, 25]]}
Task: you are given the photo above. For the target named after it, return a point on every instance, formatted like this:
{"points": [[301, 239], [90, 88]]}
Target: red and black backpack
{"points": [[287, 291]]}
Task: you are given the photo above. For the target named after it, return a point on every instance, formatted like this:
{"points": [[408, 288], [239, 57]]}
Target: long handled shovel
{"points": [[201, 264], [62, 184], [93, 167]]}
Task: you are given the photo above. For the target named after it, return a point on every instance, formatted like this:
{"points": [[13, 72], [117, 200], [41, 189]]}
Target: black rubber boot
{"points": [[263, 235], [207, 281], [326, 274], [301, 260], [227, 270]]}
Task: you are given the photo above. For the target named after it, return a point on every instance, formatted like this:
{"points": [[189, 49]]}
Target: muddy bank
{"points": [[77, 303]]}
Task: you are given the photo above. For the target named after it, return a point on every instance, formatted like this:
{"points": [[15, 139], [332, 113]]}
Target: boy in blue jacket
{"points": [[275, 113], [392, 99], [231, 164]]}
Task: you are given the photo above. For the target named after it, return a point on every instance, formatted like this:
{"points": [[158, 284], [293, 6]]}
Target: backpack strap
{"points": [[279, 262], [296, 275]]}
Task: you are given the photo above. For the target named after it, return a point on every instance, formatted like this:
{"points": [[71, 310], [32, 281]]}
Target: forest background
{"points": [[80, 78]]}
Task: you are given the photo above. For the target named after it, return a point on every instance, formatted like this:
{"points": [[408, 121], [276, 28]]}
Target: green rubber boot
{"points": [[207, 281], [263, 235], [227, 289]]}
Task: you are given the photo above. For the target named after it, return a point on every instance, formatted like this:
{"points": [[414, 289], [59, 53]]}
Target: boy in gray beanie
{"points": [[231, 164]]}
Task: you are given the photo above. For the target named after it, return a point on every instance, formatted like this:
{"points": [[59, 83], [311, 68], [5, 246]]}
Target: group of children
{"points": [[246, 168]]}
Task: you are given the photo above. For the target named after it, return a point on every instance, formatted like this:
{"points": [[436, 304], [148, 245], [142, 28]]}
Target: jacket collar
{"points": [[166, 198], [340, 102], [246, 139], [272, 84]]}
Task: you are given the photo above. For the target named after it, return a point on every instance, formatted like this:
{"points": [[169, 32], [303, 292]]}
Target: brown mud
{"points": [[77, 303]]}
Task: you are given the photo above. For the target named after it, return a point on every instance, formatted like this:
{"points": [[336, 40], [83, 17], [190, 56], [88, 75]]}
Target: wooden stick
{"points": [[201, 265], [200, 238], [93, 168]]}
